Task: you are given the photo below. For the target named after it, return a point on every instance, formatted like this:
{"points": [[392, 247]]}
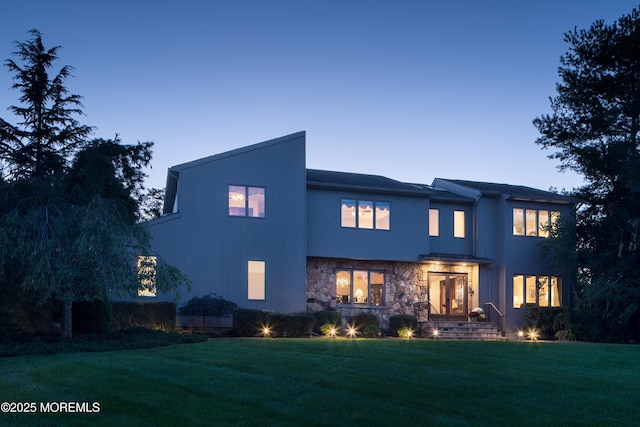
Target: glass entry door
{"points": [[448, 294]]}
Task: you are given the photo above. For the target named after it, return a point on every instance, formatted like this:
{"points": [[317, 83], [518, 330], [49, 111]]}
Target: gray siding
{"points": [[446, 243], [406, 239], [213, 248]]}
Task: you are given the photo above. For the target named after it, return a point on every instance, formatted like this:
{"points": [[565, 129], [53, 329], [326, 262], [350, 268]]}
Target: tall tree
{"points": [[48, 134], [69, 209], [594, 130]]}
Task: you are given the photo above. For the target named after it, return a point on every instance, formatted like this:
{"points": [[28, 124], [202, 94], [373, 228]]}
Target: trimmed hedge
{"points": [[250, 323], [400, 321], [326, 317], [151, 315], [363, 320]]}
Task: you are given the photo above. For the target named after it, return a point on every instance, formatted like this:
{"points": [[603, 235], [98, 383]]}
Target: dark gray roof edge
{"points": [[239, 151], [455, 258]]}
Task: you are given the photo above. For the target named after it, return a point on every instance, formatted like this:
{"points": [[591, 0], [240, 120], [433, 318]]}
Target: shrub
{"points": [[151, 315], [400, 321], [363, 320], [91, 317], [327, 328], [249, 323], [543, 320], [326, 317], [405, 332], [292, 325], [208, 305], [371, 331]]}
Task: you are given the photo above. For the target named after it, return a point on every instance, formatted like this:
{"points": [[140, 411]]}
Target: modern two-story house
{"points": [[255, 226]]}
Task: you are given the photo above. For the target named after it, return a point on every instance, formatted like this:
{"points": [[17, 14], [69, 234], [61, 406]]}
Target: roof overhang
{"points": [[455, 258]]}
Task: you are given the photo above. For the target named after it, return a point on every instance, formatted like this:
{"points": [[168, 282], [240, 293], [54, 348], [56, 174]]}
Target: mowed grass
{"points": [[343, 382]]}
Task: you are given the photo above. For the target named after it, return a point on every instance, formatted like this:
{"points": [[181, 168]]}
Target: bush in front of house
{"points": [[252, 323], [362, 320], [326, 317], [371, 331], [400, 321], [151, 315], [547, 321]]}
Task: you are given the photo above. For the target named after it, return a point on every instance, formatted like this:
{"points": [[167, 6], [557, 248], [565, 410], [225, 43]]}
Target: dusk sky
{"points": [[411, 90]]}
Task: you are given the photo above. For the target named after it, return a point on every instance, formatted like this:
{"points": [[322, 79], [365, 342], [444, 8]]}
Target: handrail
{"points": [[434, 307], [501, 321]]}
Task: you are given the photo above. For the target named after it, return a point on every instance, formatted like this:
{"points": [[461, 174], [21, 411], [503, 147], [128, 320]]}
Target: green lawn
{"points": [[314, 382]]}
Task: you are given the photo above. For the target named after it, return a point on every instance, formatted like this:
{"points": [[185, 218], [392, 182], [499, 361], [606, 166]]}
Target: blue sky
{"points": [[412, 90]]}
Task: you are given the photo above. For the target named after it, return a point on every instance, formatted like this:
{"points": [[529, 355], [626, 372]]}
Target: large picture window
{"points": [[360, 287], [533, 223], [532, 291], [246, 201], [365, 214]]}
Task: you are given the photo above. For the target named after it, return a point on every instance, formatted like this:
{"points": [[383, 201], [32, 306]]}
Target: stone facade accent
{"points": [[405, 286]]}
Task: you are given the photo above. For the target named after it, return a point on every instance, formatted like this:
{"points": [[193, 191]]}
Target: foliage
{"points": [[68, 208], [326, 317], [251, 323], [371, 331], [594, 131], [399, 321], [126, 339], [208, 305], [328, 329], [405, 332], [362, 320], [92, 317], [152, 315], [48, 133], [543, 320]]}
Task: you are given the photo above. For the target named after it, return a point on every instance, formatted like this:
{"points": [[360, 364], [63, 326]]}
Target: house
{"points": [[255, 226]]}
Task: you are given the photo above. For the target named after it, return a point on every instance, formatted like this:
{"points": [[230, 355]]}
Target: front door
{"points": [[448, 295]]}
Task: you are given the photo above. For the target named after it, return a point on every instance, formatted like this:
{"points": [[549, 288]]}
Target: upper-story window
{"points": [[458, 224], [147, 276], [246, 201], [434, 222], [365, 214], [533, 222]]}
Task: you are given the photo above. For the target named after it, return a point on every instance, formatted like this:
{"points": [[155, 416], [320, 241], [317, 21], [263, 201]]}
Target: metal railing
{"points": [[491, 308]]}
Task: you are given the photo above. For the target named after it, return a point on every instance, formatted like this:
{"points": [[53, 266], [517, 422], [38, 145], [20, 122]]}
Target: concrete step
{"points": [[459, 330]]}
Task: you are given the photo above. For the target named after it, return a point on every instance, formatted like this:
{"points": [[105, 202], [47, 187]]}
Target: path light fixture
{"points": [[352, 332], [436, 333], [266, 331]]}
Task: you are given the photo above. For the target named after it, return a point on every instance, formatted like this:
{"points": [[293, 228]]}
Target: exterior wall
{"points": [[446, 243], [523, 256], [406, 239], [406, 285], [213, 248]]}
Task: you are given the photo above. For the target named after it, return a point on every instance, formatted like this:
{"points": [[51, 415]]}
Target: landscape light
{"points": [[266, 332], [352, 331]]}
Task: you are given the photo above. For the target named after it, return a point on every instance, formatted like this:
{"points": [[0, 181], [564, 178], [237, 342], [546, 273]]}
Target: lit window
{"points": [[256, 287], [518, 287], [530, 222], [458, 224], [434, 222], [360, 287], [383, 216], [147, 276], [543, 223], [365, 214], [348, 213], [534, 223], [531, 291], [246, 201], [518, 222]]}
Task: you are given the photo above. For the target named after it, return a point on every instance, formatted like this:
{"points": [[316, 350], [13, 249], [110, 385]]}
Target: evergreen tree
{"points": [[594, 131]]}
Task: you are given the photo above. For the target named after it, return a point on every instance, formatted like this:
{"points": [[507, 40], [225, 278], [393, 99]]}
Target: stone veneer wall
{"points": [[404, 286]]}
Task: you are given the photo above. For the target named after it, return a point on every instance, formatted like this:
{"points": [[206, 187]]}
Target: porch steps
{"points": [[448, 330]]}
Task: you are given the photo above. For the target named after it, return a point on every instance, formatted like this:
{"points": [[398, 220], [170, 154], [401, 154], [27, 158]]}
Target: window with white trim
{"points": [[256, 280], [147, 276], [434, 222], [534, 222], [531, 291]]}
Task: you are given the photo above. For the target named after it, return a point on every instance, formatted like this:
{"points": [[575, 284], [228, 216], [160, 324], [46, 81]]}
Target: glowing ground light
{"points": [[409, 334], [533, 334], [332, 332], [352, 331], [436, 333], [266, 332]]}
